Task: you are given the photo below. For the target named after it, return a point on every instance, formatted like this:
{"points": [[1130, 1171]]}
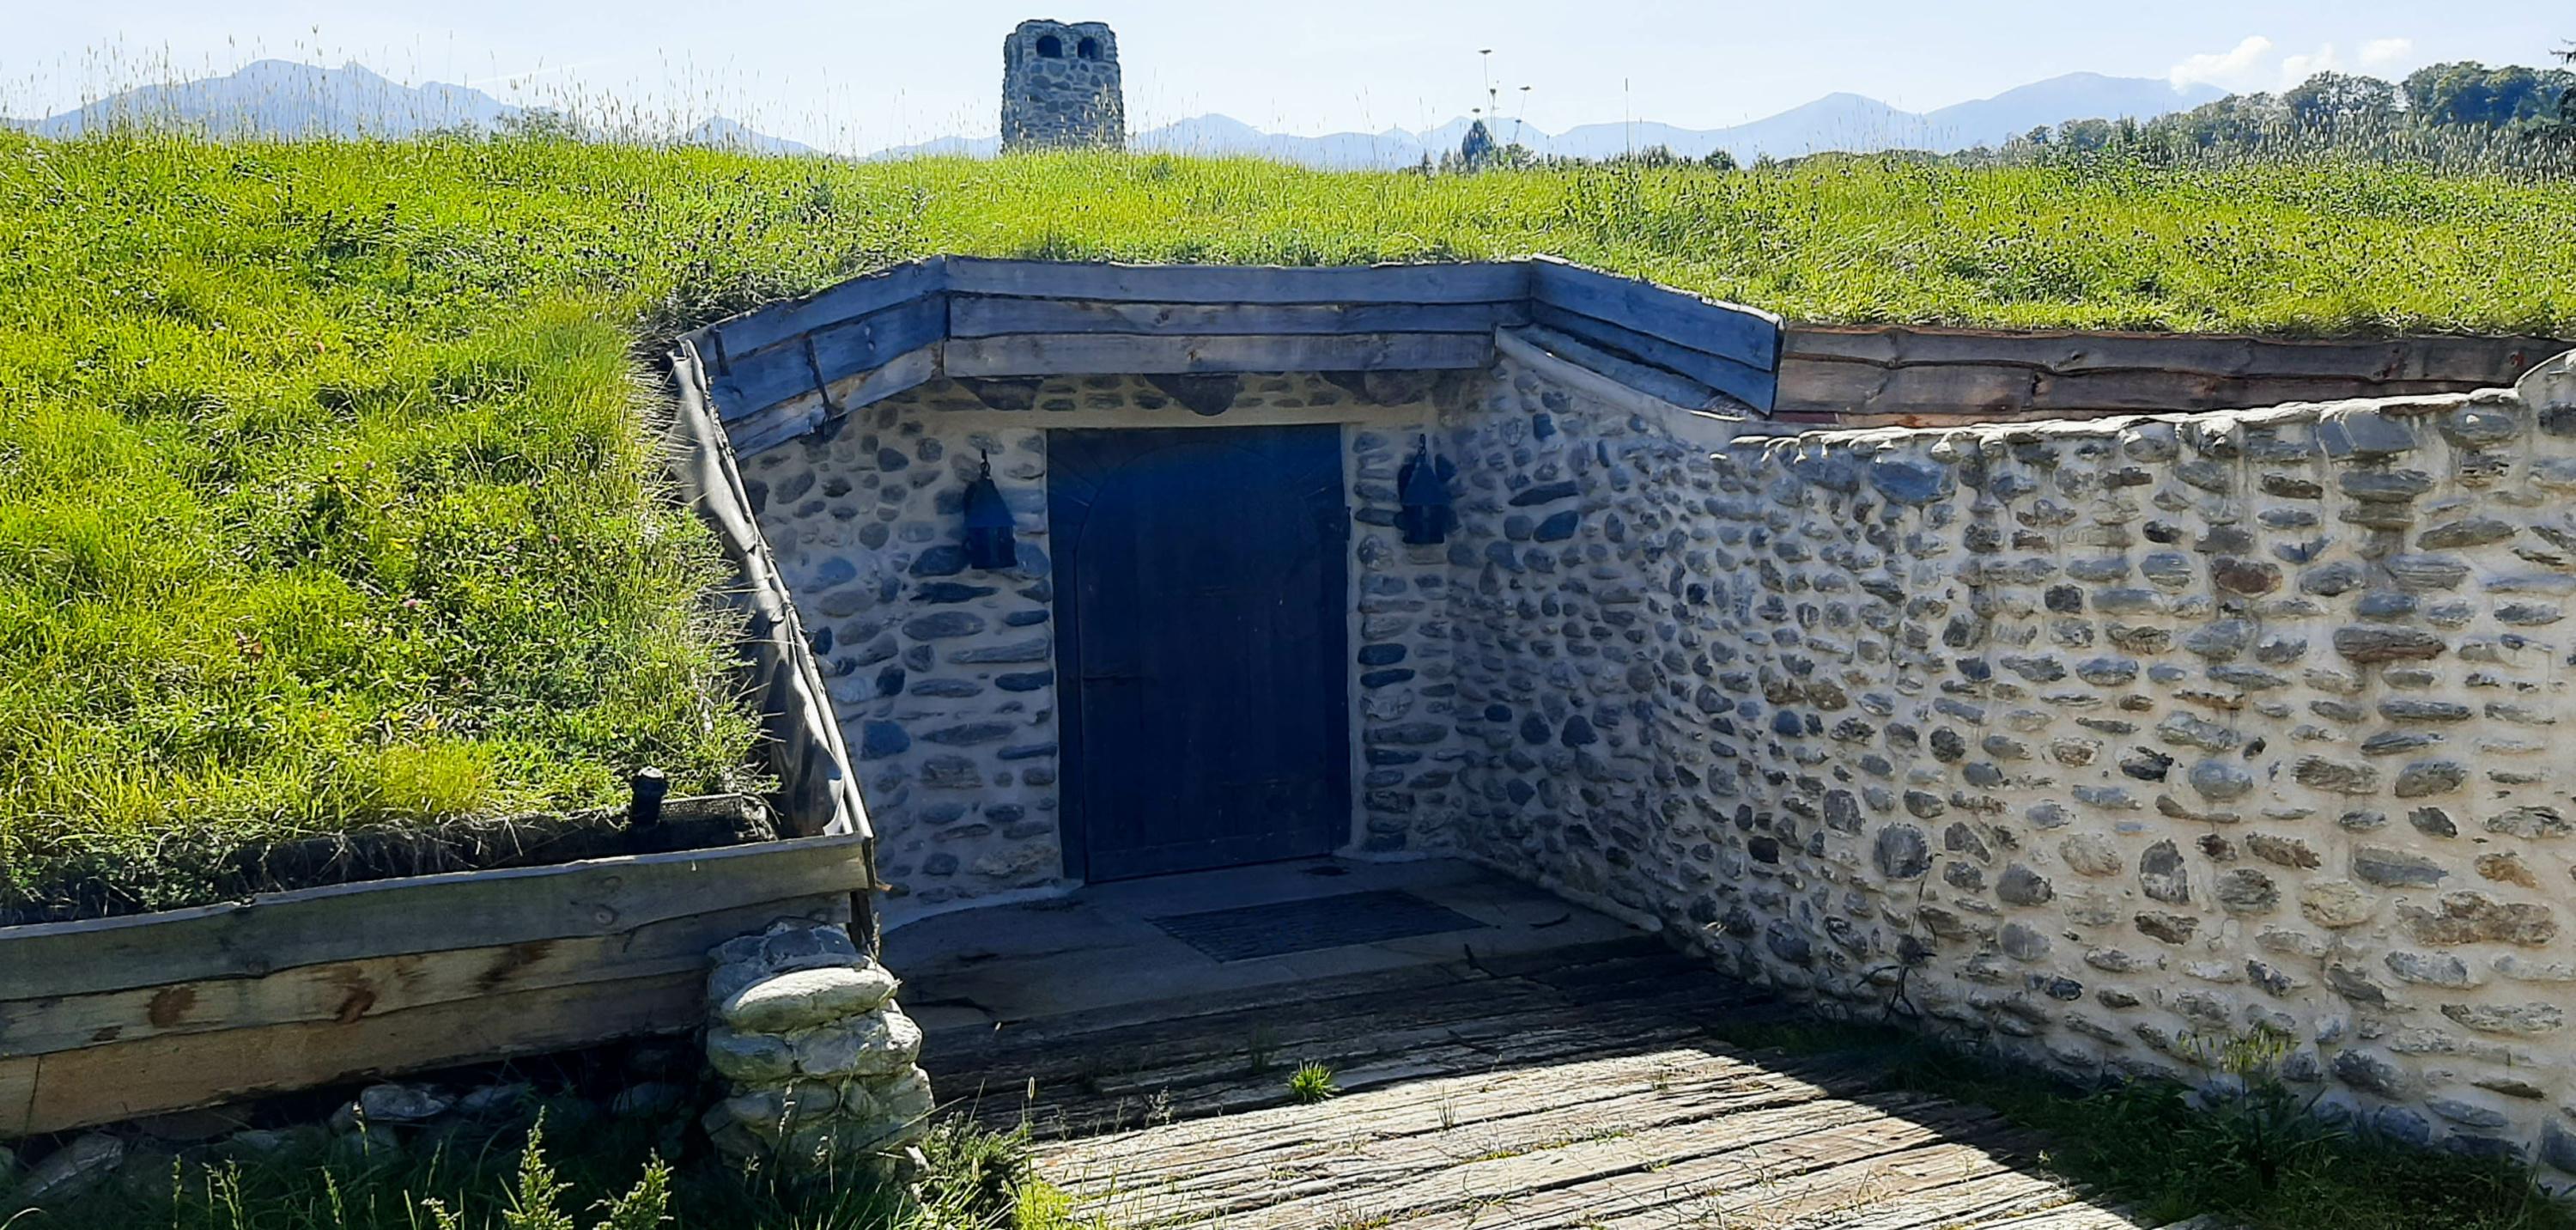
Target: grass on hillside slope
{"points": [[325, 499]]}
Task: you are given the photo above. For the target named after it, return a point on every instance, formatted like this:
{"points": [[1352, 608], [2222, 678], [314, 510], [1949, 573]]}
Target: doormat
{"points": [[1251, 931]]}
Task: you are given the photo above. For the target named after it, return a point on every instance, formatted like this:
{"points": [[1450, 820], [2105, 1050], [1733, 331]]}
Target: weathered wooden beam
{"points": [[1746, 335], [1937, 392], [2166, 392], [834, 352], [1754, 387], [347, 991], [797, 416], [470, 909], [1638, 378], [1488, 282], [17, 1096], [736, 338], [2460, 361], [1862, 388], [104, 1084], [990, 315], [1044, 354], [1711, 428]]}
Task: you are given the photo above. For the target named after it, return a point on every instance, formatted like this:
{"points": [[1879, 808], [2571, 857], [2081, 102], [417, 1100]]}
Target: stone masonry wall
{"points": [[1400, 642], [2095, 742], [943, 677], [1573, 593]]}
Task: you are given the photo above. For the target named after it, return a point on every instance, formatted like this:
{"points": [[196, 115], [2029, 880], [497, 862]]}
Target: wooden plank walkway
{"points": [[1582, 1087]]}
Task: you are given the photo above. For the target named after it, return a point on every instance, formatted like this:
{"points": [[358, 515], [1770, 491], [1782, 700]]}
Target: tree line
{"points": [[2462, 113], [2464, 94]]}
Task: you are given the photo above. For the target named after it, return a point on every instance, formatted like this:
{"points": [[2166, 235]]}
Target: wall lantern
{"points": [[1422, 493], [989, 545]]}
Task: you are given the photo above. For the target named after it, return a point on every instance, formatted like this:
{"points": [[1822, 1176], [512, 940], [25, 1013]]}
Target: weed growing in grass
{"points": [[1311, 1083], [2251, 1120]]}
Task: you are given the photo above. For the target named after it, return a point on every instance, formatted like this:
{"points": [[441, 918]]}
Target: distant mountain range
{"points": [[279, 98], [1833, 122]]}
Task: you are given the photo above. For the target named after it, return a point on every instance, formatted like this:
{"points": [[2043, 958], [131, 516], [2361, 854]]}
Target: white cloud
{"points": [[2386, 52], [2232, 69], [2295, 69], [2260, 64]]}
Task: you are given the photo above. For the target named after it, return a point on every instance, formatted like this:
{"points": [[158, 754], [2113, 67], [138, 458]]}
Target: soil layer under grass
{"points": [[327, 499]]}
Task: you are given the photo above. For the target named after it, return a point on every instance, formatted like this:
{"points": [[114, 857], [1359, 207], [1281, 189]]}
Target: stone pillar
{"points": [[819, 1059]]}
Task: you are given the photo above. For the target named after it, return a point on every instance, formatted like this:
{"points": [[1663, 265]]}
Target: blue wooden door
{"points": [[1201, 641]]}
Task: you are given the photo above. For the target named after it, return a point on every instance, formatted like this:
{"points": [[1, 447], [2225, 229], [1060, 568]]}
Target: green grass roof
{"points": [[325, 491]]}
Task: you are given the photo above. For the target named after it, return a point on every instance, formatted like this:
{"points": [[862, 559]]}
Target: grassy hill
{"points": [[325, 491]]}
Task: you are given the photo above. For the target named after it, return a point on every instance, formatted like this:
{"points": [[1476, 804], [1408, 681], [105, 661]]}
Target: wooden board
{"points": [[738, 337], [1581, 1089], [1925, 377], [1373, 1031], [1044, 354], [1753, 386], [987, 315], [1654, 382], [346, 991], [1861, 388], [1748, 336], [1518, 1113], [1425, 283], [971, 317], [2488, 361], [473, 909], [815, 359], [17, 1097], [103, 1084], [804, 413]]}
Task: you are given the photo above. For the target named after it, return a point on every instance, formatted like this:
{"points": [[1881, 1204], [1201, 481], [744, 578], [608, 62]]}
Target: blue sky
{"points": [[862, 74]]}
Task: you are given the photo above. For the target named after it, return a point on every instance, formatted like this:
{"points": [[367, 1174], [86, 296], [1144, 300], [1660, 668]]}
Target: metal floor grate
{"points": [[1247, 932]]}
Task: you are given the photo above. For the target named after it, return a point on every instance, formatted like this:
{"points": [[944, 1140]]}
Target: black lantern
{"points": [[1422, 493], [989, 545]]}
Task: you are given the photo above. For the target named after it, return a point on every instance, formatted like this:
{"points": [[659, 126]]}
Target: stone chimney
{"points": [[1060, 88]]}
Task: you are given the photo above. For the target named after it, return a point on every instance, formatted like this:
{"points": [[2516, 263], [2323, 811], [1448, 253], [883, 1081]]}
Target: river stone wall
{"points": [[2096, 742], [943, 677]]}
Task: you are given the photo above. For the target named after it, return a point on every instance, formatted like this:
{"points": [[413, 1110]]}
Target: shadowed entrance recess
{"points": [[1303, 926]]}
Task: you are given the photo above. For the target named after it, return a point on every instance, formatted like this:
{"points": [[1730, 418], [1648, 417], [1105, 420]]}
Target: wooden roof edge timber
{"points": [[781, 372], [1564, 359]]}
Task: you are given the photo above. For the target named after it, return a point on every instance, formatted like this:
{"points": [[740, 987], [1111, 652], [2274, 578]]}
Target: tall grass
{"points": [[571, 1170], [325, 497]]}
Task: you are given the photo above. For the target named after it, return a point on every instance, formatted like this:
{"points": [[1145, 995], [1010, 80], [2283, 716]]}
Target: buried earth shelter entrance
{"points": [[1200, 616], [1114, 572]]}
